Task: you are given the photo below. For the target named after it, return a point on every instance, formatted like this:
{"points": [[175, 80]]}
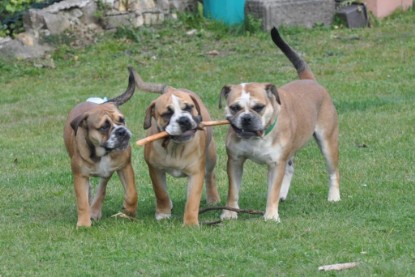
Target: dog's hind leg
{"points": [[329, 147], [286, 182], [130, 192]]}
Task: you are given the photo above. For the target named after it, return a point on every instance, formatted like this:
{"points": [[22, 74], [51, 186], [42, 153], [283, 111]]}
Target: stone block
{"points": [[16, 49], [33, 20], [115, 20], [291, 12]]}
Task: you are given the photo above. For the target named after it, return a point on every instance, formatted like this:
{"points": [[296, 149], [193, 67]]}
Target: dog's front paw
{"points": [[160, 216], [274, 216], [226, 214], [334, 195], [83, 223]]}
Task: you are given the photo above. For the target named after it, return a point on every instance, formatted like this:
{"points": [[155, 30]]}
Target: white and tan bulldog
{"points": [[189, 151], [97, 142], [269, 125]]}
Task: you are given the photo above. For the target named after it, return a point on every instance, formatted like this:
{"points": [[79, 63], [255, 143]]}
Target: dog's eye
{"points": [[167, 114], [105, 127], [258, 108], [188, 108], [121, 120], [235, 108]]}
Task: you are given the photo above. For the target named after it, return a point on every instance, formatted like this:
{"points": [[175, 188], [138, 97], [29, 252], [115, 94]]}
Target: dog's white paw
{"points": [[226, 214], [272, 216], [334, 195], [161, 216]]}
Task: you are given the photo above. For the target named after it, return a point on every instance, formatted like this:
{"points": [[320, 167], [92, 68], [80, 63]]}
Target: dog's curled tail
{"points": [[119, 100], [303, 71], [148, 87]]}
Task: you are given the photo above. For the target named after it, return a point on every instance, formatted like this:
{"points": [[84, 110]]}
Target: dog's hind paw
{"points": [[96, 214]]}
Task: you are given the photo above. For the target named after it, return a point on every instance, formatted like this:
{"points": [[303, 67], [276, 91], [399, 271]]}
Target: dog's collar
{"points": [[269, 129]]}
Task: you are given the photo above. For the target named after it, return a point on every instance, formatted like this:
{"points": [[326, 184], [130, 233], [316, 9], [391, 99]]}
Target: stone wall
{"points": [[86, 18]]}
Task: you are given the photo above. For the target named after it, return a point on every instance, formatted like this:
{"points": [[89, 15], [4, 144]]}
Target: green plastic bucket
{"points": [[230, 12]]}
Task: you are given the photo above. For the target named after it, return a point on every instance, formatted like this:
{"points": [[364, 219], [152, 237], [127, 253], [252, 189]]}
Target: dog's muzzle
{"points": [[188, 128], [247, 126], [119, 139]]}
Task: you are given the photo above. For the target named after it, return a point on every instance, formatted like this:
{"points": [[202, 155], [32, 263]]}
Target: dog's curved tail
{"points": [[148, 87], [121, 99], [303, 71]]}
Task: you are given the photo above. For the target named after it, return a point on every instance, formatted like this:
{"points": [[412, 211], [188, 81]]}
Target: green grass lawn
{"points": [[370, 74]]}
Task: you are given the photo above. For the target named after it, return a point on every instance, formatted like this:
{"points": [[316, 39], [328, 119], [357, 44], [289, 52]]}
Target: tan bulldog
{"points": [[97, 142], [189, 151], [269, 125]]}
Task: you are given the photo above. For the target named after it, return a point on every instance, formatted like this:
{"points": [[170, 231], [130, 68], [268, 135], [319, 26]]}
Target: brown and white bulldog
{"points": [[189, 151], [97, 142], [269, 125]]}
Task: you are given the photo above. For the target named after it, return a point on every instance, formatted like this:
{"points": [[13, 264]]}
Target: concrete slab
{"points": [[292, 12]]}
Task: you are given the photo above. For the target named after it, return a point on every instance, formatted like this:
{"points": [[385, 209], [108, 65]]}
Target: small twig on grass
{"points": [[247, 211], [212, 223], [122, 215], [338, 266]]}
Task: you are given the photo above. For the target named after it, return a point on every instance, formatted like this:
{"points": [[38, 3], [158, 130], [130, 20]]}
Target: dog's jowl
{"points": [[269, 125]]}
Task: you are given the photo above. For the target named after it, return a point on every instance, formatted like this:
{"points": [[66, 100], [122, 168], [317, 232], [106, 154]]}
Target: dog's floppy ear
{"points": [[224, 94], [150, 112], [196, 104], [77, 121], [272, 90]]}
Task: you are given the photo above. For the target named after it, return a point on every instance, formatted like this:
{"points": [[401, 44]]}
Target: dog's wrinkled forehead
{"points": [[174, 102], [107, 112], [247, 93]]}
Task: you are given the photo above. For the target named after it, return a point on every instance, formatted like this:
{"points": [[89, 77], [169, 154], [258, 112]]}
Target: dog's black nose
{"points": [[246, 119], [121, 132], [184, 123]]}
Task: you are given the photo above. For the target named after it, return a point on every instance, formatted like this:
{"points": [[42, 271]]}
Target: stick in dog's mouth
{"points": [[164, 134], [248, 133]]}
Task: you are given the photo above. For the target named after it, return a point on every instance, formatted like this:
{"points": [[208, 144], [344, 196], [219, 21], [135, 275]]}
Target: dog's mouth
{"points": [[183, 137], [121, 146], [246, 134], [119, 140]]}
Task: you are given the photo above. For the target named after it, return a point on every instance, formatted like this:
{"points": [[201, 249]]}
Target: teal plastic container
{"points": [[230, 12]]}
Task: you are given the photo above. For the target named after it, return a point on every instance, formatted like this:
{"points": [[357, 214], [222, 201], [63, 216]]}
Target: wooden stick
{"points": [[151, 138], [213, 123], [201, 211], [338, 266], [164, 134]]}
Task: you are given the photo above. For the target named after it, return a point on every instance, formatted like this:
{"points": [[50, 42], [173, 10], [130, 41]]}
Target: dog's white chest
{"points": [[104, 167], [258, 150], [176, 173]]}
